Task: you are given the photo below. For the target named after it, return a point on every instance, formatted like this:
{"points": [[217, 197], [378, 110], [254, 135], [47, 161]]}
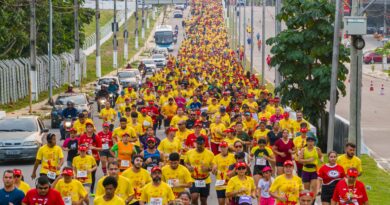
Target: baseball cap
{"points": [[286, 114], [247, 114], [306, 193], [155, 169], [197, 125], [229, 130], [288, 163], [144, 110], [88, 123], [223, 144], [200, 140], [151, 139], [106, 124], [172, 129], [72, 129], [244, 200], [151, 102], [125, 134], [83, 148], [352, 172], [310, 138], [240, 164], [303, 130], [68, 172], [266, 169], [17, 172]]}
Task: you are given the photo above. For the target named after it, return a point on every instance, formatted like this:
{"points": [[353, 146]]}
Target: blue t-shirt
{"points": [[15, 196]]}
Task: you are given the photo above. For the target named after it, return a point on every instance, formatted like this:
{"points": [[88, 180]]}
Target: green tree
{"points": [[303, 53], [15, 27]]}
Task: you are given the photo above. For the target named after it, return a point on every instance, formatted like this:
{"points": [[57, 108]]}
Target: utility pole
{"points": [[115, 42], [239, 23], [278, 29], [98, 60], [76, 42], [51, 50], [244, 35], [234, 27], [143, 20], [354, 133], [33, 55], [136, 25], [384, 19], [147, 17], [228, 13], [125, 35], [263, 46], [335, 64], [252, 36]]}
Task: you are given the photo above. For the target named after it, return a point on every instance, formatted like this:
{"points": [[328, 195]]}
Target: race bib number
{"points": [[105, 146], [125, 163], [173, 182], [156, 201], [220, 182], [51, 175], [89, 152], [82, 174], [200, 183], [261, 161], [67, 200]]}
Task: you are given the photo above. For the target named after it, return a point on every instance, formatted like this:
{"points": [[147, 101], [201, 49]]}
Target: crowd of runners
{"points": [[223, 132]]}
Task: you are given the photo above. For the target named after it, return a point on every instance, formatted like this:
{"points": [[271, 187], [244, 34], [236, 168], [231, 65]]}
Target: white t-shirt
{"points": [[264, 186]]}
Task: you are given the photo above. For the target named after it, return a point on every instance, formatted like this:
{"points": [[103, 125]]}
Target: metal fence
{"points": [[104, 31], [14, 75]]}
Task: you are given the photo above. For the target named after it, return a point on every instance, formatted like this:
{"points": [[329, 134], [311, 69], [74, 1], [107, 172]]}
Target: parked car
{"points": [[372, 57], [80, 101], [180, 7], [149, 63], [178, 14], [106, 80], [160, 60], [149, 72], [21, 137], [128, 77]]}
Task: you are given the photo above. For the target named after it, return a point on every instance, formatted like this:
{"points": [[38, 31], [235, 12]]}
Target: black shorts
{"points": [[221, 194], [204, 192], [279, 164], [258, 170], [327, 192], [105, 153]]}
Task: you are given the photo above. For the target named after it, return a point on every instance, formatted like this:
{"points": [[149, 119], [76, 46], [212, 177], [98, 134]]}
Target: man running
{"points": [[10, 194]]}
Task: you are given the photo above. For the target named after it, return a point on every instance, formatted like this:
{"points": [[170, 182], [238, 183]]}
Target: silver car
{"points": [[21, 137]]}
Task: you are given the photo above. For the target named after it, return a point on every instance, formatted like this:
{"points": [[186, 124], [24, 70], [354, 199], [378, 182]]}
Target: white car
{"points": [[180, 6], [106, 80], [160, 60], [149, 63], [128, 77], [158, 50], [178, 14]]}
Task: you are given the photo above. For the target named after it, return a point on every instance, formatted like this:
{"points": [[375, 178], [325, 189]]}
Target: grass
{"points": [[105, 17], [106, 50]]}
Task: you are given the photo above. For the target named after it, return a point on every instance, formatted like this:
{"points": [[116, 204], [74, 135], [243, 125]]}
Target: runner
{"points": [[199, 163], [299, 144], [263, 157], [151, 155], [123, 190], [107, 143], [306, 197], [240, 188], [217, 133], [286, 187], [84, 165], [263, 187], [349, 159], [19, 181], [138, 177], [107, 114], [109, 197], [157, 191], [330, 174], [221, 164], [50, 157], [10, 194], [70, 145], [168, 111], [350, 190], [71, 190], [176, 175], [42, 194], [170, 144], [283, 149], [124, 128]]}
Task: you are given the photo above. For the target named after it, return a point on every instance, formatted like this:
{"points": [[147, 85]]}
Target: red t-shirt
{"points": [[329, 174], [106, 138], [53, 197], [350, 195], [95, 141], [282, 147], [190, 141]]}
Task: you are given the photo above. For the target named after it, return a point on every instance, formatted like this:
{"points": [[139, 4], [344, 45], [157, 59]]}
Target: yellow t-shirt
{"points": [[297, 125], [215, 130], [81, 127], [197, 160], [286, 124], [250, 125], [169, 110], [223, 163], [137, 180], [168, 147], [145, 121], [137, 128], [74, 189], [213, 108], [114, 201], [124, 189], [162, 193], [182, 136], [236, 184], [176, 119], [118, 132], [267, 115], [122, 109], [107, 114], [82, 164], [149, 97], [346, 163], [258, 133], [224, 102], [23, 186], [164, 99], [50, 157], [231, 141], [179, 176], [288, 187]]}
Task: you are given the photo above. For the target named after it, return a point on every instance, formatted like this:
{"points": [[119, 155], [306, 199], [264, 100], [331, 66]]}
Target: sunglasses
{"points": [[238, 146], [150, 142], [43, 188], [241, 168]]}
